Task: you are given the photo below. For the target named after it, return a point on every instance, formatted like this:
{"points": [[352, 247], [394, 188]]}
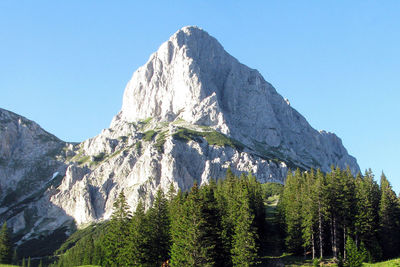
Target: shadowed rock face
{"points": [[192, 77], [188, 114]]}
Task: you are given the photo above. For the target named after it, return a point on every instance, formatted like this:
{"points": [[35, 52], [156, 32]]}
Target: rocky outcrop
{"points": [[31, 167], [193, 78], [191, 112]]}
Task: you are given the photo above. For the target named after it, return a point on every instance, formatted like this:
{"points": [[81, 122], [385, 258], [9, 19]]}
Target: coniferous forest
{"points": [[339, 215], [335, 215]]}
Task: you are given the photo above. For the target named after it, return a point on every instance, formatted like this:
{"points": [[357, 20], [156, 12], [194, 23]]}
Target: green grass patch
{"points": [[389, 263], [213, 138], [83, 160], [138, 147], [160, 141], [149, 135]]}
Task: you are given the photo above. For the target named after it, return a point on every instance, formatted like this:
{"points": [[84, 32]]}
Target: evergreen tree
{"points": [[291, 207], [160, 230], [309, 212], [117, 232], [389, 219], [319, 190], [367, 213], [244, 251], [138, 249], [355, 257], [191, 231], [5, 245], [14, 257]]}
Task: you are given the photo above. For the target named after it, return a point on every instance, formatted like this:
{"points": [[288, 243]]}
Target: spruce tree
{"points": [[115, 240], [291, 207], [367, 213], [355, 256], [389, 219], [309, 212], [5, 245], [138, 250], [319, 190], [160, 230], [244, 251], [190, 230]]}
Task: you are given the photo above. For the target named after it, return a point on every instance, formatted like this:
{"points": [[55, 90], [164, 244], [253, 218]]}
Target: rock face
{"points": [[30, 171], [193, 78], [188, 114]]}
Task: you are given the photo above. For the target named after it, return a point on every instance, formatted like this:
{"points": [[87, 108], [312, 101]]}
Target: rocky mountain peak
{"points": [[190, 113], [192, 78]]}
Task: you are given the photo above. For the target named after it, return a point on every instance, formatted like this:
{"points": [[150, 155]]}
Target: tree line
{"points": [[218, 224], [335, 214]]}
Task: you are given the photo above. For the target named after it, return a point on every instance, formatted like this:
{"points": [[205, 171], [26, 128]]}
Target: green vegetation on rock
{"points": [[149, 135], [212, 137]]}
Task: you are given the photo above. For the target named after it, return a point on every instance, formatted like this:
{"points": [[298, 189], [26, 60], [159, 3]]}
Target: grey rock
{"points": [[190, 90]]}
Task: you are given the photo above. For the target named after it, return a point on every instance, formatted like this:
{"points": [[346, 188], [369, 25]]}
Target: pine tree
{"points": [[309, 212], [5, 245], [190, 230], [291, 207], [367, 213], [355, 257], [319, 190], [117, 232], [244, 251], [14, 257], [389, 219], [138, 250], [160, 230]]}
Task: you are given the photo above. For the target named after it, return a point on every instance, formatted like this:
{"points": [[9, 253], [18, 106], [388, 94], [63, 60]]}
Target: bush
{"points": [[355, 257]]}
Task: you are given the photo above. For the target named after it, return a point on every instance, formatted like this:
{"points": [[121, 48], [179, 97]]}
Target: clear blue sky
{"points": [[64, 64]]}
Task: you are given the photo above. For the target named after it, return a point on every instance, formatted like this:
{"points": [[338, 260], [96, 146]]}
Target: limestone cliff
{"points": [[188, 114]]}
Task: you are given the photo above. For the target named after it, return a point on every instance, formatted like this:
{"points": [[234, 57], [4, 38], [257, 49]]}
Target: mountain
{"points": [[191, 112]]}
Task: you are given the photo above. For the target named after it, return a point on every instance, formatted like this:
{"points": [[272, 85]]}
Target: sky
{"points": [[65, 64]]}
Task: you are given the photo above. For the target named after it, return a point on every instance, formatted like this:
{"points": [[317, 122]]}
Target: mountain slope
{"points": [[188, 114]]}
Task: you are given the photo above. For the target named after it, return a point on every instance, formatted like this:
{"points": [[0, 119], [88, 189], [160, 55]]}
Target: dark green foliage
{"points": [[138, 248], [5, 245], [366, 223], [212, 225], [389, 216], [193, 232], [327, 212], [115, 241], [159, 226], [291, 205], [355, 257], [272, 189]]}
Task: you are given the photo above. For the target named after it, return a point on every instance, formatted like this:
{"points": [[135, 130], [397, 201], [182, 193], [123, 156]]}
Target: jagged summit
{"points": [[191, 77], [185, 71], [190, 113]]}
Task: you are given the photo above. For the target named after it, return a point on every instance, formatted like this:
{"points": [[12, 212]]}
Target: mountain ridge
{"points": [[190, 113]]}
